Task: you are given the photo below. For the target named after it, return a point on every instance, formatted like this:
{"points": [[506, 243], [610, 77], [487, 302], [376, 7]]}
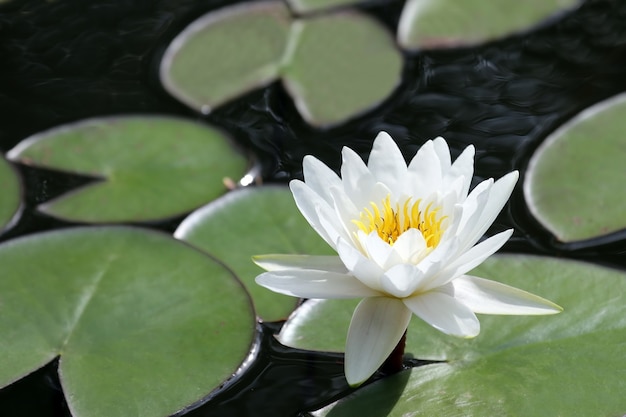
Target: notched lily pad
{"points": [[11, 191], [226, 53], [339, 66], [248, 222], [568, 364], [150, 167], [575, 180], [445, 23], [308, 6], [145, 325]]}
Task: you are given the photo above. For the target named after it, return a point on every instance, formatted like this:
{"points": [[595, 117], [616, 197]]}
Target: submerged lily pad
{"points": [[575, 180], [568, 364], [341, 65], [10, 189], [144, 324], [334, 66], [437, 23], [149, 167], [226, 53], [248, 222]]}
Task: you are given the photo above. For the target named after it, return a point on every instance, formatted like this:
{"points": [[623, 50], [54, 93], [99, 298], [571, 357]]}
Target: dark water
{"points": [[68, 60]]}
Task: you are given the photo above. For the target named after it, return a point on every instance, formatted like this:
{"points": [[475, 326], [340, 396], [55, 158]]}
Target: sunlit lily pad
{"points": [[144, 324], [306, 6], [568, 364], [334, 66], [443, 23], [341, 65], [575, 180], [148, 167], [10, 189], [250, 222], [226, 53]]}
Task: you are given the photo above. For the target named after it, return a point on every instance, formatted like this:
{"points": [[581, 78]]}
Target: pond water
{"points": [[65, 61]]}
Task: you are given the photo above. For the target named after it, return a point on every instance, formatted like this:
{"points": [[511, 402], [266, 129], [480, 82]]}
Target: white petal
{"points": [[443, 152], [463, 167], [319, 177], [444, 313], [499, 194], [308, 202], [356, 178], [275, 262], [401, 280], [425, 171], [410, 246], [363, 268], [376, 328], [470, 259], [306, 283], [378, 250], [484, 296], [386, 163]]}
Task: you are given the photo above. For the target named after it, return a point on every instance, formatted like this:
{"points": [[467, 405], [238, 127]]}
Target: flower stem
{"points": [[393, 364]]}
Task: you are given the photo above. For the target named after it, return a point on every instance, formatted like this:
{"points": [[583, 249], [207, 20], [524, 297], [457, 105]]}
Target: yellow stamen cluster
{"points": [[390, 222]]}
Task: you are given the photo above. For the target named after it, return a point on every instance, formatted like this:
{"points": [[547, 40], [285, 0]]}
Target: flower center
{"points": [[390, 222]]}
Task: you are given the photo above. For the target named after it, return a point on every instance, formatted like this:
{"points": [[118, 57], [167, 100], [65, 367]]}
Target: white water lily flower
{"points": [[406, 237]]}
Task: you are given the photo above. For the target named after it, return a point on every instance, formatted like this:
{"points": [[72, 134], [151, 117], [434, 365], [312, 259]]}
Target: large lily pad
{"points": [[568, 364], [144, 324], [226, 53], [575, 180], [149, 167], [10, 189], [341, 65], [250, 222], [437, 23]]}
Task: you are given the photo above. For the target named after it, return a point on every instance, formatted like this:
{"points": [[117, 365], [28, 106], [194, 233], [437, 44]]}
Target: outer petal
{"points": [[376, 328], [463, 167], [402, 280], [444, 313], [425, 171], [275, 262], [498, 196], [309, 203], [443, 152], [386, 163], [490, 297], [470, 259], [356, 178], [319, 177], [306, 283]]}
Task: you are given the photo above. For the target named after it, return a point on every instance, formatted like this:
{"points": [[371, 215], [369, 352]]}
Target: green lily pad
{"points": [[334, 66], [429, 23], [575, 180], [10, 189], [226, 53], [150, 167], [341, 65], [248, 222], [145, 325], [568, 364], [308, 6]]}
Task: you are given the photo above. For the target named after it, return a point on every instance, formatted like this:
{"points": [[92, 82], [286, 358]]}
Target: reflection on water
{"points": [[64, 61]]}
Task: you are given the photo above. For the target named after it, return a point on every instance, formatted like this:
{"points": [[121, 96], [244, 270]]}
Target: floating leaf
{"points": [[575, 180], [308, 6], [10, 189], [144, 324], [151, 167], [568, 364], [436, 23], [341, 65], [248, 222], [226, 53]]}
